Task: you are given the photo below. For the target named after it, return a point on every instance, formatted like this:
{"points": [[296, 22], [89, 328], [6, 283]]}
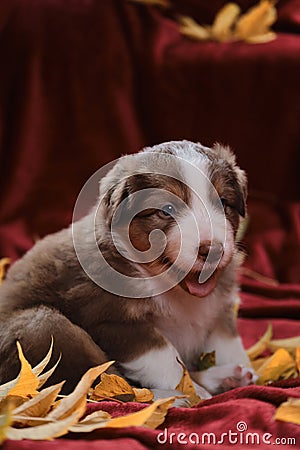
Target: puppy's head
{"points": [[176, 208]]}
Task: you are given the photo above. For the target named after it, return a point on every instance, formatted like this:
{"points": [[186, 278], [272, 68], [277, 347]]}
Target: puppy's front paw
{"points": [[219, 379], [241, 376]]}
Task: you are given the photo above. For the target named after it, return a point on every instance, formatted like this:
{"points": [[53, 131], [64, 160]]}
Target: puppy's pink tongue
{"points": [[200, 289]]}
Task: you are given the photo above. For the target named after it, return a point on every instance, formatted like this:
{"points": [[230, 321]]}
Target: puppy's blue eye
{"points": [[167, 210]]}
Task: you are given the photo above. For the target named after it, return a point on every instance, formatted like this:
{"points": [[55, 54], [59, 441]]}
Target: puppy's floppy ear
{"points": [[241, 191], [239, 182], [115, 200], [116, 194]]}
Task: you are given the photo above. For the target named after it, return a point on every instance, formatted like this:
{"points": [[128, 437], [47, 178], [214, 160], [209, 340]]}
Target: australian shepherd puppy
{"points": [[147, 278]]}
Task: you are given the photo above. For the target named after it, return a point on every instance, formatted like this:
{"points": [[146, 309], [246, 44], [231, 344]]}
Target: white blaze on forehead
{"points": [[209, 218], [204, 220]]}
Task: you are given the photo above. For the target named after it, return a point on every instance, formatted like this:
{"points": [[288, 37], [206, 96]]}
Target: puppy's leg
{"points": [[33, 328], [146, 357], [159, 370], [232, 369]]}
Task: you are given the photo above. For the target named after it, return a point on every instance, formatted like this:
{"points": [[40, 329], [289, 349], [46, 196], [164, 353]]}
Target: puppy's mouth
{"points": [[194, 286], [196, 282]]}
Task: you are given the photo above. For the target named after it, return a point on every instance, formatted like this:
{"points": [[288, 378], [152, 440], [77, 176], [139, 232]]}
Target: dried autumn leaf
{"points": [[97, 419], [206, 360], [221, 29], [3, 263], [27, 382], [289, 344], [256, 21], [275, 366], [38, 406], [7, 387], [77, 399], [41, 366], [14, 401], [113, 386], [47, 431], [159, 414], [290, 373], [186, 386], [45, 376], [5, 422], [297, 358], [262, 39], [260, 346], [152, 416], [257, 363], [143, 395], [38, 369], [190, 28], [289, 411]]}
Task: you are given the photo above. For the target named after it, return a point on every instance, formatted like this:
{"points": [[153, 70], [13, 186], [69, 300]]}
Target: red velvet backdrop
{"points": [[84, 81]]}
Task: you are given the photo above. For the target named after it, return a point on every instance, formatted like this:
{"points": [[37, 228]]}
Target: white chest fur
{"points": [[186, 321]]}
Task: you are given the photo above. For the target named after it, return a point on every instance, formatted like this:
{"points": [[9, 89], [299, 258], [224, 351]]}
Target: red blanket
{"points": [[84, 81]]}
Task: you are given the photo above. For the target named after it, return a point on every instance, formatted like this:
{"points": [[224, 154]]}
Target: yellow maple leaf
{"points": [[275, 366], [190, 28], [261, 345], [186, 386], [29, 375], [5, 421], [37, 407], [42, 418], [206, 360], [26, 383], [262, 39], [93, 421], [221, 29], [255, 23], [151, 417], [257, 363], [289, 344], [77, 399], [143, 395], [49, 430], [113, 386], [297, 358], [289, 411]]}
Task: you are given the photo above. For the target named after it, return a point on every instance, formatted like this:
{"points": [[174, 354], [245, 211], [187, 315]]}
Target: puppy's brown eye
{"points": [[167, 211]]}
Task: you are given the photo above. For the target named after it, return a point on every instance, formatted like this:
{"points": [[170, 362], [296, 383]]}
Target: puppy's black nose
{"points": [[210, 251]]}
